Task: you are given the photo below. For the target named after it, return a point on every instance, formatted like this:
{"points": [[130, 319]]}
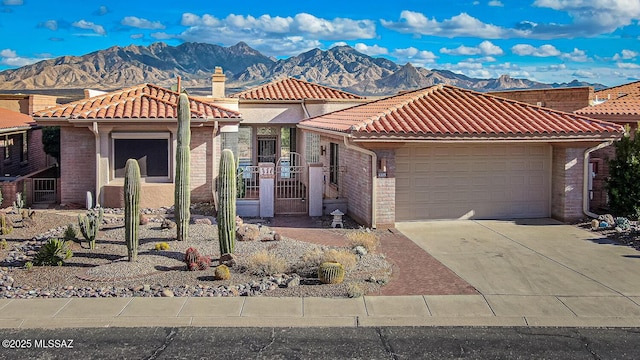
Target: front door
{"points": [[267, 146]]}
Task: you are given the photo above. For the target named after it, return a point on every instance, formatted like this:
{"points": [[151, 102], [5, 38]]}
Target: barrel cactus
{"points": [[221, 272], [331, 272], [132, 207], [227, 202], [183, 159]]}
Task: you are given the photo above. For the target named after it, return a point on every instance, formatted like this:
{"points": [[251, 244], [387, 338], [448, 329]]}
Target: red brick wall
{"points": [[354, 182], [567, 183], [202, 172], [36, 158], [77, 164], [386, 191]]}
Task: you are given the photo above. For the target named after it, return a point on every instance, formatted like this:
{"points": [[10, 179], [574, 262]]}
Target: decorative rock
{"points": [[360, 250], [239, 222], [248, 232], [604, 224], [293, 281], [144, 220], [276, 236], [618, 229], [167, 224], [167, 293], [608, 218], [146, 287], [228, 259], [595, 224]]}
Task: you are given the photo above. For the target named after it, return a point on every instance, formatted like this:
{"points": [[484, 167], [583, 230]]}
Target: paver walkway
{"points": [[415, 272]]}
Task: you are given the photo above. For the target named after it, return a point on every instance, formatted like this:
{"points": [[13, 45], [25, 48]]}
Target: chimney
{"points": [[217, 83]]}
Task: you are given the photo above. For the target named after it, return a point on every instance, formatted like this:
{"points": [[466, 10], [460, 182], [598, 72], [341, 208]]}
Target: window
{"points": [[333, 163], [24, 154], [312, 147], [7, 143], [150, 149], [244, 146]]}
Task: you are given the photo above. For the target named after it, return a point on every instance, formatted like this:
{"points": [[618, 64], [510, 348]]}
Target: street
{"points": [[321, 343]]}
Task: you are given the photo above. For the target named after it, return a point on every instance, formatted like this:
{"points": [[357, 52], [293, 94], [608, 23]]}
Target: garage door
{"points": [[473, 181]]}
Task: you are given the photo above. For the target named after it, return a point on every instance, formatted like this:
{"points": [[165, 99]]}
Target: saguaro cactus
{"points": [[89, 226], [132, 207], [183, 160], [227, 202]]}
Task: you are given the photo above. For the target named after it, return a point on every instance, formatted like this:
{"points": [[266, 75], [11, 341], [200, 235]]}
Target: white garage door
{"points": [[473, 181]]}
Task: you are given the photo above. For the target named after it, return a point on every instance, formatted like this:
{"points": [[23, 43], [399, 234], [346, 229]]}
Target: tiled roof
{"points": [[446, 111], [628, 91], [13, 119], [293, 89], [144, 101], [622, 106]]}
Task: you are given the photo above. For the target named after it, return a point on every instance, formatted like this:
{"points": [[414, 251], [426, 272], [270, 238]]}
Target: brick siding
{"points": [[567, 183], [202, 164], [77, 164], [386, 191]]}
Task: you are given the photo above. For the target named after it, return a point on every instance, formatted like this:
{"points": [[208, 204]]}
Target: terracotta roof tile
{"points": [[628, 91], [144, 101], [293, 89], [621, 106], [13, 119], [445, 111]]}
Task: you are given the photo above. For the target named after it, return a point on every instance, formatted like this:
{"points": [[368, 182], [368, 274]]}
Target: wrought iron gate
{"points": [[291, 185]]}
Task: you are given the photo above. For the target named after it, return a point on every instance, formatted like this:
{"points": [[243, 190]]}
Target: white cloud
{"points": [[136, 36], [584, 74], [49, 24], [627, 66], [552, 68], [412, 53], [458, 26], [102, 10], [626, 55], [162, 36], [141, 23], [576, 55], [266, 33], [12, 2], [339, 43], [484, 48], [496, 3], [9, 57], [590, 17], [371, 50], [88, 25], [529, 50]]}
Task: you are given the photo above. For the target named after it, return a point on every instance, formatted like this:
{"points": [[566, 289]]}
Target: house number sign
{"points": [[267, 172]]}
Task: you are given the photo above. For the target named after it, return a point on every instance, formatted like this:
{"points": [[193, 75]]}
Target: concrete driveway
{"points": [[530, 257]]}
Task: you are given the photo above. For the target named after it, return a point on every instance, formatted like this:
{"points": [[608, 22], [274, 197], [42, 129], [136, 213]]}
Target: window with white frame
{"points": [[312, 147], [152, 150]]}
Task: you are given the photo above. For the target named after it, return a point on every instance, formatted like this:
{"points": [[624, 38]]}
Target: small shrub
{"points": [[28, 265], [3, 244], [263, 263], [355, 290], [70, 233], [366, 239], [162, 246], [6, 226], [222, 272], [52, 253]]}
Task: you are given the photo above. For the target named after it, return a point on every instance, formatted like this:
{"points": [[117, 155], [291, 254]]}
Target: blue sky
{"points": [[544, 40]]}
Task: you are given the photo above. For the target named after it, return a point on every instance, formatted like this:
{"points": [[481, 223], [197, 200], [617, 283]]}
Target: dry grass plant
{"points": [[315, 257], [263, 263], [366, 239]]}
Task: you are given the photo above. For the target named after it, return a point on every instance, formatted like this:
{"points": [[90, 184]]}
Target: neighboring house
{"points": [[21, 148], [563, 99], [447, 153], [99, 134], [618, 104]]}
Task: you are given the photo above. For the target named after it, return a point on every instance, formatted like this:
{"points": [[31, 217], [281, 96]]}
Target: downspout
{"points": [[585, 182], [94, 130], [304, 108], [374, 177]]}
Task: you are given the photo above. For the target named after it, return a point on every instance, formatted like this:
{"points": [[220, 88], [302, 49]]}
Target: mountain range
{"points": [[340, 67]]}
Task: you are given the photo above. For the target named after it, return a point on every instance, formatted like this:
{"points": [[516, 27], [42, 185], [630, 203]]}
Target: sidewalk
{"points": [[427, 310]]}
